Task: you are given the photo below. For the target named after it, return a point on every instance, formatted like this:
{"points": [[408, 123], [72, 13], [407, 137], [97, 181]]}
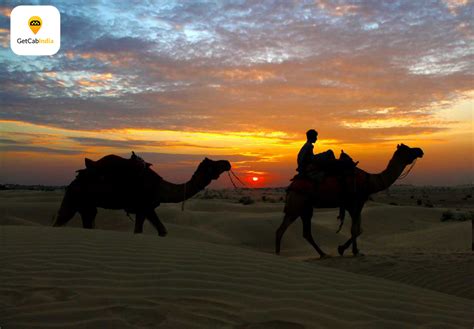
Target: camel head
{"points": [[408, 154], [209, 169]]}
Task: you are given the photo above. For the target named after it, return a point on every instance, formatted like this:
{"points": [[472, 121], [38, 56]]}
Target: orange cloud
{"points": [[102, 76], [455, 5], [250, 75], [4, 11], [116, 59], [335, 9], [88, 83], [95, 80]]}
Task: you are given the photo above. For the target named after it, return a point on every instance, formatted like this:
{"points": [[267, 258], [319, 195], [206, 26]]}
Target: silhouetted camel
{"points": [[327, 194], [117, 183]]}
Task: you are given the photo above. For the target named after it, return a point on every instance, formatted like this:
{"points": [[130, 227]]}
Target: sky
{"points": [[176, 81]]}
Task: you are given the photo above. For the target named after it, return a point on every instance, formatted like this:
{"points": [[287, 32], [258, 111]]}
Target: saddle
{"points": [[332, 166], [115, 167], [323, 166]]}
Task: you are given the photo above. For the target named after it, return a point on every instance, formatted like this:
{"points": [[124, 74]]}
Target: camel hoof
{"points": [[163, 233], [340, 250], [324, 256], [358, 254]]}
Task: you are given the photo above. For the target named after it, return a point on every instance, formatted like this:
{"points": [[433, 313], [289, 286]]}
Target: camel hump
{"points": [[89, 163], [348, 159]]}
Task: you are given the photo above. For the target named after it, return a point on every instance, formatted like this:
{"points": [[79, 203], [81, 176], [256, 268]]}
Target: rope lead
{"points": [[403, 175], [236, 177]]}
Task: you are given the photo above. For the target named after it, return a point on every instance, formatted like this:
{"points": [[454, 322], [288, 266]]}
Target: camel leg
{"points": [[88, 217], [287, 221], [155, 220], [309, 236], [343, 247], [64, 216], [139, 220], [355, 232]]}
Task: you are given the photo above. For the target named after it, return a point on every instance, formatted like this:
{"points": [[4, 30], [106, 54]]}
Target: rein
{"points": [[231, 180], [405, 174], [237, 178]]}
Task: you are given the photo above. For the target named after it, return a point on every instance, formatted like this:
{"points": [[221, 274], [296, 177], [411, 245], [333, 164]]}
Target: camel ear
{"points": [[398, 146]]}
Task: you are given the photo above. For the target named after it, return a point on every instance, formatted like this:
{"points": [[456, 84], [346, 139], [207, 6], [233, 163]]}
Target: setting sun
{"points": [[255, 179]]}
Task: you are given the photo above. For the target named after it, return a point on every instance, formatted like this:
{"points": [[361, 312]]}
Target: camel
{"points": [[130, 184], [329, 194]]}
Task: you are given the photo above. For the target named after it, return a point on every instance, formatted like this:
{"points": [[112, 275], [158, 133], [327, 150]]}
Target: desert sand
{"points": [[217, 269]]}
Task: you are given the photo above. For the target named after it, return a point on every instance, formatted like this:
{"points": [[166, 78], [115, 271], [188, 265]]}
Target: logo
{"points": [[35, 23], [35, 30]]}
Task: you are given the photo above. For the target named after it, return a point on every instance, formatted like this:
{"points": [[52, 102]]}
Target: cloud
{"points": [[8, 141], [230, 67], [5, 11], [102, 142], [156, 157]]}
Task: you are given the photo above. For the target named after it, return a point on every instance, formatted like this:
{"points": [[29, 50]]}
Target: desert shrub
{"points": [[447, 215], [246, 200], [419, 202], [206, 195], [393, 204], [466, 216], [269, 199], [209, 194], [428, 204], [462, 217]]}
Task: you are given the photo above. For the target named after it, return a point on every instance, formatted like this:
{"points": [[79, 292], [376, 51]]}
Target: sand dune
{"points": [[74, 278], [450, 273], [216, 269]]}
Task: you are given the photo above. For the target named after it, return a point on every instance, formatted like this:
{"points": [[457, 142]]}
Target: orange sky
{"points": [[48, 155]]}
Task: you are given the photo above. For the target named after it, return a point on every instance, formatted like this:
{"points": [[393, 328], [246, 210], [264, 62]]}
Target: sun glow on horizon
{"points": [[267, 158]]}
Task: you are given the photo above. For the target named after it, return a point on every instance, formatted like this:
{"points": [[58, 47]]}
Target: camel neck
{"points": [[383, 180], [173, 193]]}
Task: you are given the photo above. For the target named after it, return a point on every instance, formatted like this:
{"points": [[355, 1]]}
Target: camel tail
{"points": [[341, 223], [68, 207]]}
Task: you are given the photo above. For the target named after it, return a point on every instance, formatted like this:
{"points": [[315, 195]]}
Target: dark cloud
{"points": [[8, 141], [155, 157], [88, 141], [36, 149]]}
